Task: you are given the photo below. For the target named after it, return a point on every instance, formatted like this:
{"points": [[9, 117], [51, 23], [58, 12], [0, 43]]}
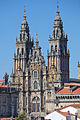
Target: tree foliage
{"points": [[21, 117]]}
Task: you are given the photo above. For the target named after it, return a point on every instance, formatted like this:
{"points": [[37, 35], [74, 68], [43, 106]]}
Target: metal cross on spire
{"points": [[24, 7], [58, 2], [24, 12]]}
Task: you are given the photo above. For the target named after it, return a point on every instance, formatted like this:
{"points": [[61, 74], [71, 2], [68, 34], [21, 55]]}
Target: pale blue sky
{"points": [[40, 16]]}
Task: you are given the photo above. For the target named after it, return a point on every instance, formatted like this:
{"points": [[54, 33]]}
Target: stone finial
{"points": [[16, 39], [19, 37], [49, 36], [63, 34], [78, 70], [5, 78], [36, 39], [52, 35], [47, 52], [33, 40], [66, 36], [68, 52], [12, 70], [14, 54], [36, 36], [78, 64], [42, 54]]}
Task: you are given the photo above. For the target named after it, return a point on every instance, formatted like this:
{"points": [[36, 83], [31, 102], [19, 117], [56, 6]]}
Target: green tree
{"points": [[21, 117]]}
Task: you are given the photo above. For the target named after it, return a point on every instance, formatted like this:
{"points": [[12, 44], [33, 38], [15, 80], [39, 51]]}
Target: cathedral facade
{"points": [[37, 83]]}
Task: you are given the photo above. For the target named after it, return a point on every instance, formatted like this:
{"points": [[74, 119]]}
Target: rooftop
{"points": [[72, 84], [73, 105], [65, 113], [68, 90], [1, 81]]}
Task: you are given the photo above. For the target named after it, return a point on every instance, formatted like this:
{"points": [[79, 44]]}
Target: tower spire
{"points": [[24, 13], [58, 18], [24, 31], [57, 9]]}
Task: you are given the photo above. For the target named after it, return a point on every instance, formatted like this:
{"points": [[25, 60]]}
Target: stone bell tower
{"points": [[58, 56], [21, 57]]}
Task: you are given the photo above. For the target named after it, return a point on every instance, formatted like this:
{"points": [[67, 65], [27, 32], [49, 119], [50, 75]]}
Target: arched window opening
{"points": [[57, 33], [63, 97], [26, 86], [22, 51], [36, 99], [56, 97], [44, 85], [44, 100], [56, 48], [35, 54], [23, 36], [36, 104], [34, 107], [35, 74], [51, 48], [75, 97], [18, 51], [26, 100], [68, 97], [54, 33], [35, 85]]}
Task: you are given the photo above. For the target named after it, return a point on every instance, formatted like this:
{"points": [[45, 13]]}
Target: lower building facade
{"points": [[8, 102]]}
